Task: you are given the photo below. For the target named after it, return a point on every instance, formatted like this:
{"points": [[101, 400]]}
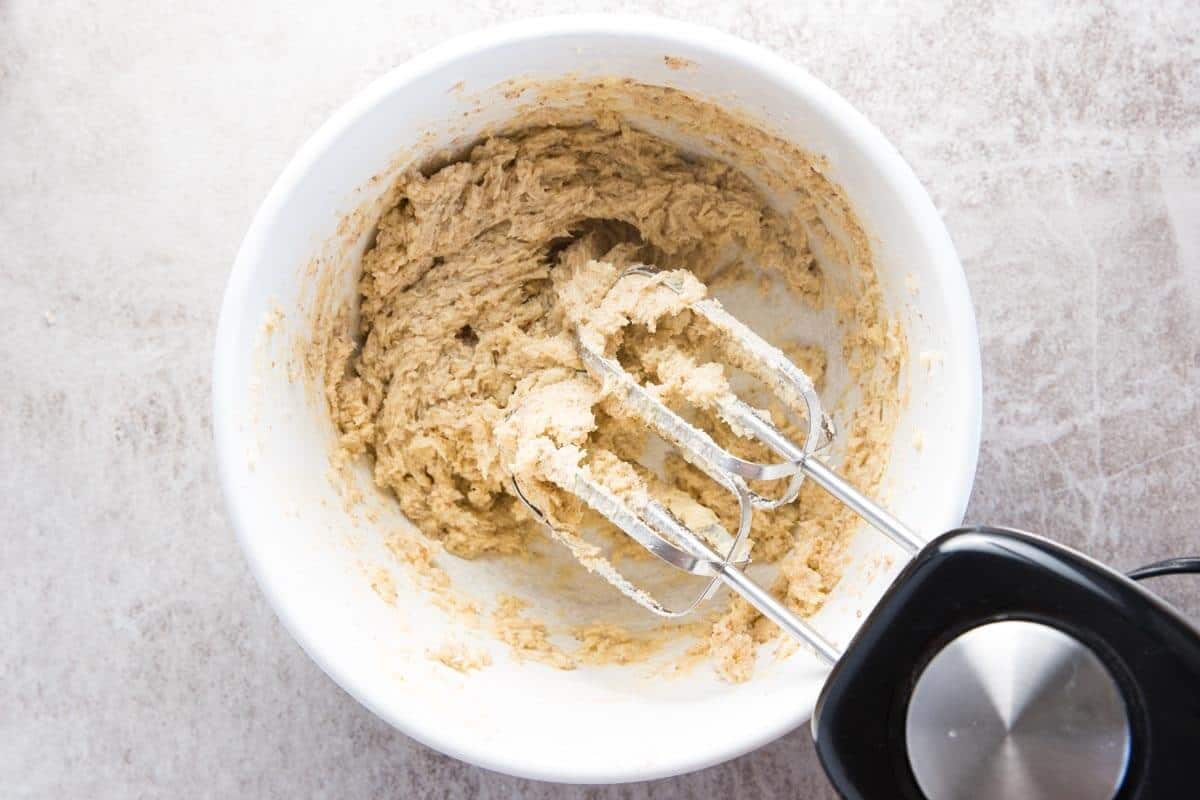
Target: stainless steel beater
{"points": [[654, 527]]}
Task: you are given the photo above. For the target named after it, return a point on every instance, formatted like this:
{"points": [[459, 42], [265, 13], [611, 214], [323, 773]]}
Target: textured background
{"points": [[1061, 141]]}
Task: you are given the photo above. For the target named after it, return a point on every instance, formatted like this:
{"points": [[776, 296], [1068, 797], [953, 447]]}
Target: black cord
{"points": [[1172, 566]]}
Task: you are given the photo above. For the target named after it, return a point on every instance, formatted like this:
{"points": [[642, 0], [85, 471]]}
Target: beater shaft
{"points": [[860, 504], [733, 577], [833, 483], [778, 613]]}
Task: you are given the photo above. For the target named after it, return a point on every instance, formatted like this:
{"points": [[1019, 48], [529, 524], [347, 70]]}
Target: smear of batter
{"points": [[480, 272], [461, 658]]}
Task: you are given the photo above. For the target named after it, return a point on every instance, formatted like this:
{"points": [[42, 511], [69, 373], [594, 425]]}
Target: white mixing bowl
{"points": [[273, 436]]}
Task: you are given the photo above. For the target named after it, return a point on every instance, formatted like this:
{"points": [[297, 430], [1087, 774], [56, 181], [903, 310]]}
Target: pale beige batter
{"points": [[466, 372], [457, 656]]}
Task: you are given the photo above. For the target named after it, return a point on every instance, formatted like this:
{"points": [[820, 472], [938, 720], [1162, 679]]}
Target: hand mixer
{"points": [[997, 665]]}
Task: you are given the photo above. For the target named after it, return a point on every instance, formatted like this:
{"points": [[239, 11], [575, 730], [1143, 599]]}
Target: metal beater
{"points": [[654, 527]]}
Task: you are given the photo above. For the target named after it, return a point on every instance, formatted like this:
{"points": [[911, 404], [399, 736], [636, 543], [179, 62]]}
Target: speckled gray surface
{"points": [[1061, 141]]}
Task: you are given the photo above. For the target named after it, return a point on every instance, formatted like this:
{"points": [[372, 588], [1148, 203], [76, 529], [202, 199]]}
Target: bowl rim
{"points": [[894, 169]]}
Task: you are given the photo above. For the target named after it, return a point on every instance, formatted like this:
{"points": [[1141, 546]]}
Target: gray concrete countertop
{"points": [[1061, 142]]}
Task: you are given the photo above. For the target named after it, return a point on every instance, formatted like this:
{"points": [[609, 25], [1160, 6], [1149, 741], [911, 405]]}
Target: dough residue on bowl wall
{"points": [[462, 319]]}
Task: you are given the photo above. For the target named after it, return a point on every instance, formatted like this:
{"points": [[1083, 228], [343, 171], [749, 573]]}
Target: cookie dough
{"points": [[460, 658], [482, 268]]}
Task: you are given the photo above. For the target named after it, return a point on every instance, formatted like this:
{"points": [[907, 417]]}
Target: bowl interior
{"points": [[312, 554]]}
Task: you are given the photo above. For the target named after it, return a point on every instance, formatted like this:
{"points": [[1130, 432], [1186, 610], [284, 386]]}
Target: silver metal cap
{"points": [[1017, 709]]}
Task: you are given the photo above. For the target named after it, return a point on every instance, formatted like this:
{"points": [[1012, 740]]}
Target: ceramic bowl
{"points": [[311, 553]]}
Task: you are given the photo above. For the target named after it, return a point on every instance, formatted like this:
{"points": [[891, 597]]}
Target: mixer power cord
{"points": [[1171, 566]]}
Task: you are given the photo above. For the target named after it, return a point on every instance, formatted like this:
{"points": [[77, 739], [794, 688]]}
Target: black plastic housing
{"points": [[972, 576]]}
